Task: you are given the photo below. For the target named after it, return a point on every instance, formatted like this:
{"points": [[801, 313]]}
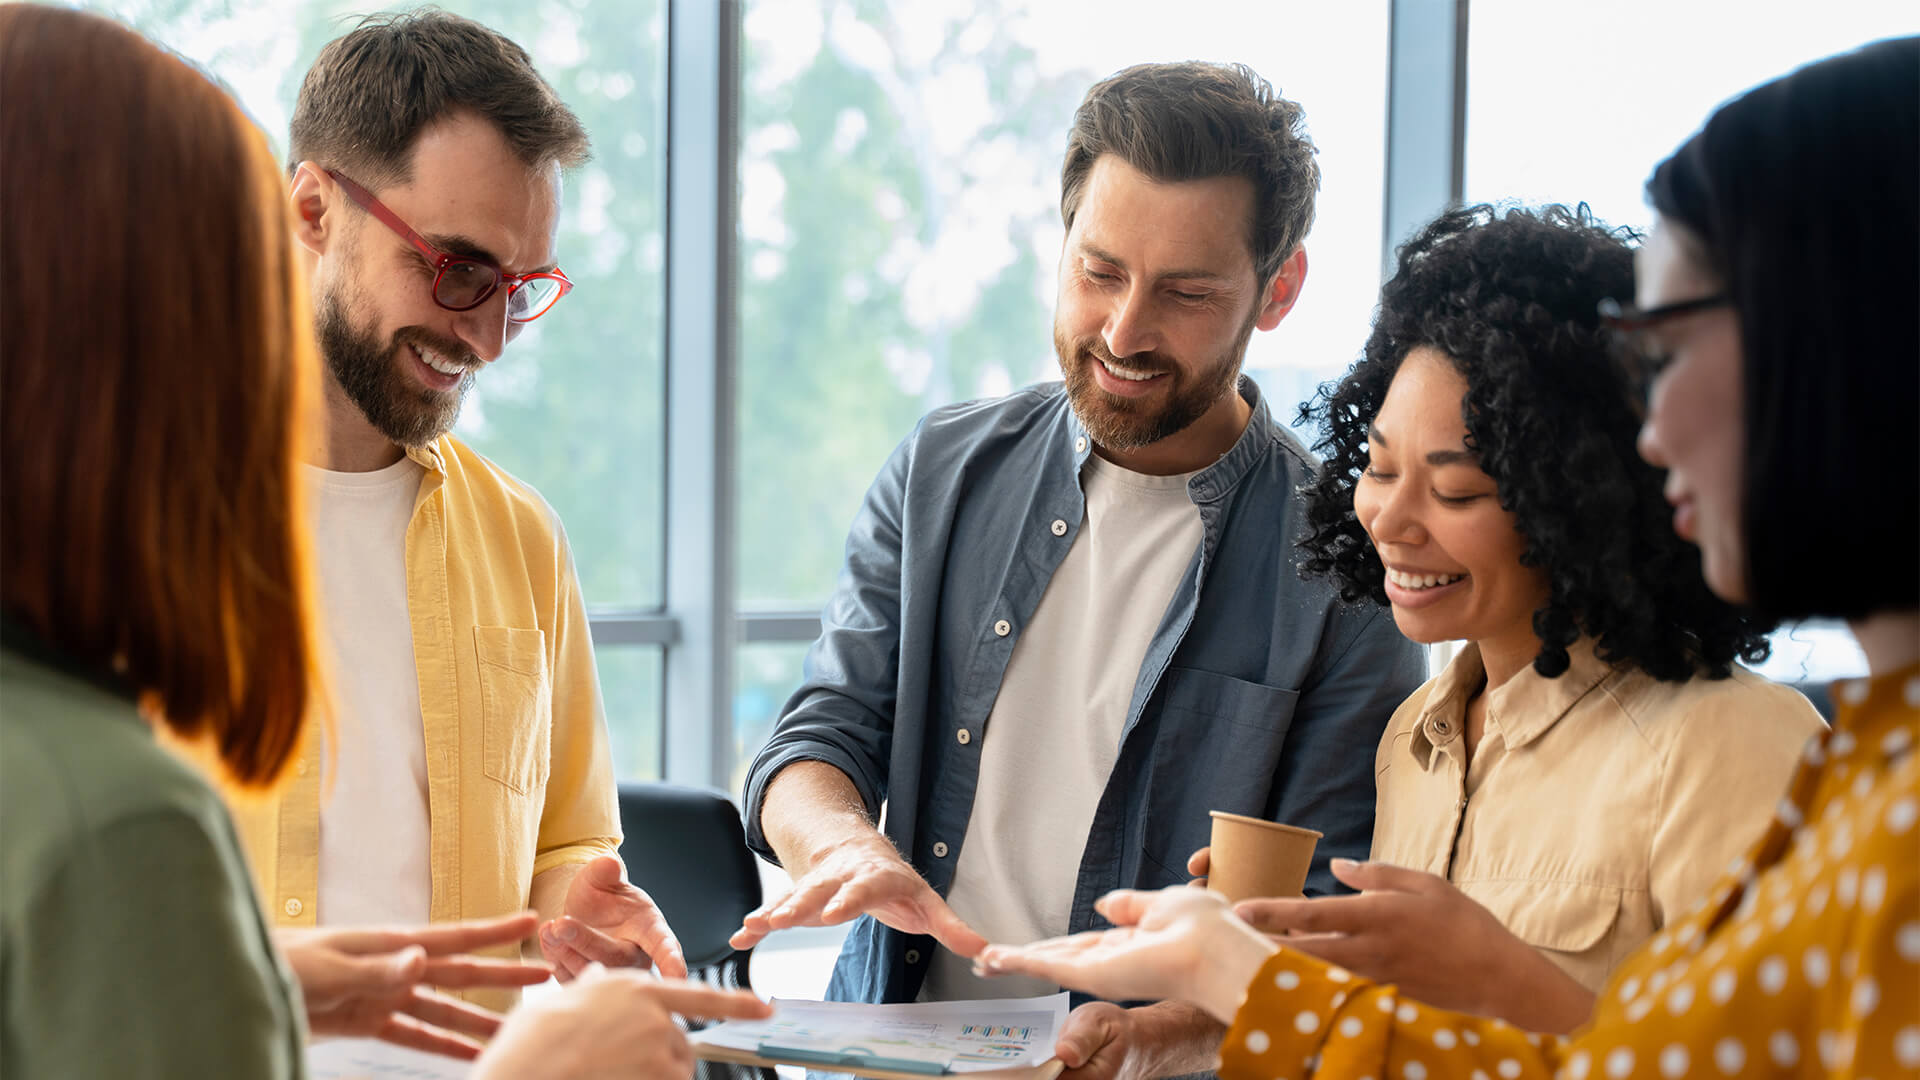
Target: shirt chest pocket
{"points": [[516, 705], [1570, 923], [1217, 748]]}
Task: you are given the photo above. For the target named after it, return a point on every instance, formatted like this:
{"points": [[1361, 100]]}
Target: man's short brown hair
{"points": [[372, 92], [1196, 121]]}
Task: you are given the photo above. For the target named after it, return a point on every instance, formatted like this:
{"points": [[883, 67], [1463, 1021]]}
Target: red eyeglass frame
{"points": [[442, 261]]}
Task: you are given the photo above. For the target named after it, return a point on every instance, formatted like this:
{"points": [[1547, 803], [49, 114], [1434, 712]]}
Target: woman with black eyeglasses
{"points": [[1786, 418]]}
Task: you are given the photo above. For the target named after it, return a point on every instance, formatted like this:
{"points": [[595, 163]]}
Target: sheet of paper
{"points": [[980, 1035], [368, 1059]]}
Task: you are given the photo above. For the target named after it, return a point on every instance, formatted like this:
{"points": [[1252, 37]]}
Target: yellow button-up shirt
{"points": [[519, 775], [1598, 806]]}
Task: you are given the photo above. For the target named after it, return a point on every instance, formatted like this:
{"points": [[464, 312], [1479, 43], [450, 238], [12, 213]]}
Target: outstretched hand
{"points": [[374, 983], [1418, 931], [1178, 943], [606, 920], [862, 876], [610, 1023]]}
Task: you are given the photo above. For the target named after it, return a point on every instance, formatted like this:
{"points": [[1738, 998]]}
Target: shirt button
{"points": [[1003, 628], [939, 850], [293, 907], [964, 736], [913, 956], [1059, 527], [1079, 444]]}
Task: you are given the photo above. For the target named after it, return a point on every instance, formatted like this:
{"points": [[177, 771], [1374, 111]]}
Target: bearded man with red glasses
{"points": [[467, 771]]}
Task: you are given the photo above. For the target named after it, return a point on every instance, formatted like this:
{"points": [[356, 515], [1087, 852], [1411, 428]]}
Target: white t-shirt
{"points": [[1054, 731], [373, 818]]}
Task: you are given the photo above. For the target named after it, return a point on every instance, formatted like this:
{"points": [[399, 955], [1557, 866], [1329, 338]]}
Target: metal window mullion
{"points": [[615, 629], [1426, 117], [770, 627], [702, 131], [1426, 138]]}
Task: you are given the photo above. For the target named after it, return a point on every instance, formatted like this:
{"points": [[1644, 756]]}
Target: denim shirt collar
{"points": [[1213, 482]]}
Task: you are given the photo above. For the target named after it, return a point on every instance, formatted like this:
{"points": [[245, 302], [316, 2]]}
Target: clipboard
{"points": [[872, 1067]]}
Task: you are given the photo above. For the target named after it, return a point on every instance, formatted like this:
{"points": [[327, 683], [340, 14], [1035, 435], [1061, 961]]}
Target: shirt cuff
{"points": [[582, 852], [1283, 1024]]}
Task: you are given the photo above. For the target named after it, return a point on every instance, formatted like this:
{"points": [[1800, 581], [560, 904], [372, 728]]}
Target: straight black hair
{"points": [[1805, 194]]}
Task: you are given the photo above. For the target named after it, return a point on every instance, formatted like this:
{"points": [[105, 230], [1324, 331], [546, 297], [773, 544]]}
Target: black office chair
{"points": [[686, 847]]}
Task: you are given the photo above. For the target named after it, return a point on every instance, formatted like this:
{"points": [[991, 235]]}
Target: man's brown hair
{"points": [[372, 92], [160, 380], [1197, 121]]}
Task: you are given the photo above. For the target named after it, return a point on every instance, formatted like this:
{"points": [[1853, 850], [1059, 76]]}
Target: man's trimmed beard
{"points": [[1124, 424], [370, 374]]}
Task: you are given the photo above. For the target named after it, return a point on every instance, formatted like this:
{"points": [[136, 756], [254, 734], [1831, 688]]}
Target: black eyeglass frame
{"points": [[1630, 320]]}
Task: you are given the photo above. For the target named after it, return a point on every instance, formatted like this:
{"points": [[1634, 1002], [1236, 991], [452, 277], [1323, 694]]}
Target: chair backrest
{"points": [[685, 846]]}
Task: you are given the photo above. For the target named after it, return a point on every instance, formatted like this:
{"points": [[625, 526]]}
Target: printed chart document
{"points": [[1010, 1037]]}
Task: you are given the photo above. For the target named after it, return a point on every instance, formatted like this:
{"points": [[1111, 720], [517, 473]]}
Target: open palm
{"points": [[1154, 949]]}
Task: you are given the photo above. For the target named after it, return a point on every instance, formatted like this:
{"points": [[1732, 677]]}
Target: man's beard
{"points": [[1125, 424], [371, 375]]}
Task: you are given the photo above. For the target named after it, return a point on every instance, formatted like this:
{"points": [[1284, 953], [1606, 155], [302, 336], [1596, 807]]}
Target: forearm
{"points": [[1226, 962], [1535, 995], [548, 894], [811, 807], [548, 897], [1175, 1038]]}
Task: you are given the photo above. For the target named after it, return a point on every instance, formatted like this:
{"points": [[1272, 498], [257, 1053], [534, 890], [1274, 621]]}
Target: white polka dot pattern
{"points": [[1804, 960]]}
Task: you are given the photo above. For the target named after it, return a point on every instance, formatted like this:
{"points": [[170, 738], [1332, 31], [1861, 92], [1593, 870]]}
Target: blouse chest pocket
{"points": [[516, 707], [1570, 923]]}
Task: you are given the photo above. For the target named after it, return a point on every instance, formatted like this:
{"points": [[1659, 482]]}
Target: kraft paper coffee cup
{"points": [[1253, 858]]}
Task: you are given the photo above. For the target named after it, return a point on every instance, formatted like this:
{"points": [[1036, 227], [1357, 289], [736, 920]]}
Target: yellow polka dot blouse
{"points": [[1803, 961]]}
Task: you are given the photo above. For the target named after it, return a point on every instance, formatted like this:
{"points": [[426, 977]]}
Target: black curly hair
{"points": [[1510, 296]]}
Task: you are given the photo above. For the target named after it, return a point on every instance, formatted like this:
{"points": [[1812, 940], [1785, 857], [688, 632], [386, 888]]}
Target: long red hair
{"points": [[157, 387]]}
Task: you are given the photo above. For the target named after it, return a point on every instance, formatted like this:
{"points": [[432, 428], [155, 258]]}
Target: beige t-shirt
{"points": [[1599, 807], [1054, 731], [373, 821]]}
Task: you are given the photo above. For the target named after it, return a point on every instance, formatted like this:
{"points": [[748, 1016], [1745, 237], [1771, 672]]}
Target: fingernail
{"points": [[1343, 864], [568, 931]]}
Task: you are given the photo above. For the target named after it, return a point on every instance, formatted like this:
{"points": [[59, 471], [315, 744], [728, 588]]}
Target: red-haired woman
{"points": [[159, 383]]}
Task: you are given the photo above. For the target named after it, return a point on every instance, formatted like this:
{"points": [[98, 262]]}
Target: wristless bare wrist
{"points": [[1232, 956]]}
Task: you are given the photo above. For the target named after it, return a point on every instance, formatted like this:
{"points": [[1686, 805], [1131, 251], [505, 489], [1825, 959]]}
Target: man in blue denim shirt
{"points": [[1070, 623]]}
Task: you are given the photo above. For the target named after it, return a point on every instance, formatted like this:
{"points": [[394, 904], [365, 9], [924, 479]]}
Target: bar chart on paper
{"points": [[928, 1038]]}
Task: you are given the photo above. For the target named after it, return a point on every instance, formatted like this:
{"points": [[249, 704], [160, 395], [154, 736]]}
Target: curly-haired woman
{"points": [[1593, 757]]}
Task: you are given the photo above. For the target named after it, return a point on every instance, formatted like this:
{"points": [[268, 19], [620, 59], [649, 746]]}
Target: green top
{"points": [[130, 941]]}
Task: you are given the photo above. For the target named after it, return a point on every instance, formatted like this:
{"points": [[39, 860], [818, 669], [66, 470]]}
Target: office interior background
{"points": [[809, 221]]}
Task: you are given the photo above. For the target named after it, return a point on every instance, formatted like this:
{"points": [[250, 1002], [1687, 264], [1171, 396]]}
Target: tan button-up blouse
{"points": [[1599, 806]]}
